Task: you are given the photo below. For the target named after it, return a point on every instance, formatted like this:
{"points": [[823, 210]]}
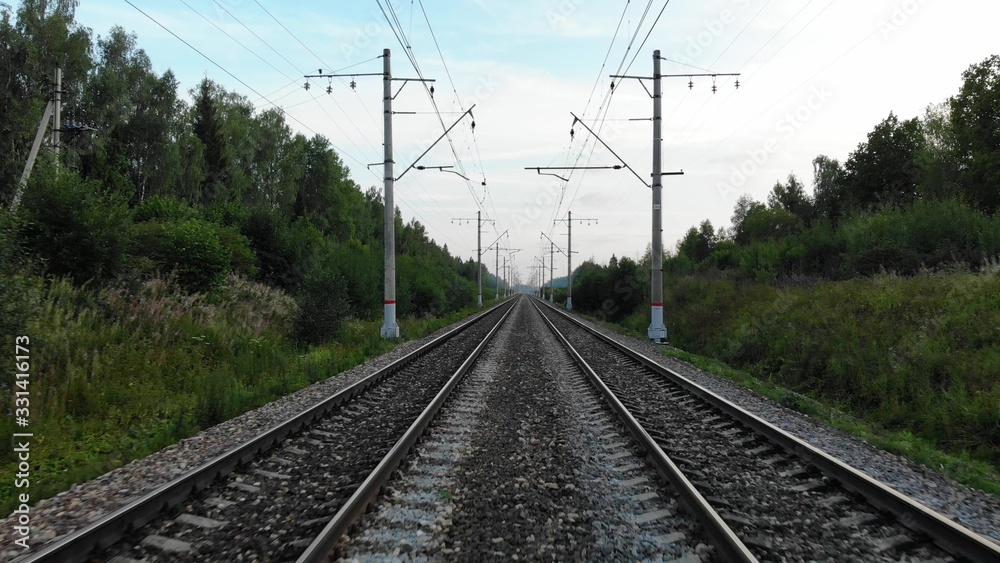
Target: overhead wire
{"points": [[394, 24], [600, 125], [605, 105], [419, 185], [794, 89], [265, 61], [677, 143], [234, 77], [260, 96]]}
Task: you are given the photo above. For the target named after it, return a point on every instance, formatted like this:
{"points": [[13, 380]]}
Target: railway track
{"points": [[526, 463], [524, 435], [761, 493], [269, 498]]}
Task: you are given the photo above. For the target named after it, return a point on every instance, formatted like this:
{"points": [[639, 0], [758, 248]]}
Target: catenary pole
{"points": [[479, 256], [390, 328], [57, 116], [569, 255], [657, 331]]}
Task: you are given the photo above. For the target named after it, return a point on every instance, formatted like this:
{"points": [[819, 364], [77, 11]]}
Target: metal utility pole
{"points": [[511, 251], [569, 255], [539, 276], [552, 250], [495, 273], [390, 328], [657, 330], [57, 116], [479, 257], [52, 108], [506, 279], [479, 251]]}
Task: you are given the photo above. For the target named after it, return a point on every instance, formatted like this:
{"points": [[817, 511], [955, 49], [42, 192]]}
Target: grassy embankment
{"points": [[119, 373], [910, 364]]}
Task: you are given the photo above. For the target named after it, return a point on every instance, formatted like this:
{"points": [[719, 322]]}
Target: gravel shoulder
{"points": [[974, 509]]}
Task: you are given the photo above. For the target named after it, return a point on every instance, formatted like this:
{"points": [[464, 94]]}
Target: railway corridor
{"points": [[524, 435]]}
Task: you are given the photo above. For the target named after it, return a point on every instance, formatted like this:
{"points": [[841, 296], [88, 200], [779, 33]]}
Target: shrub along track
{"points": [[786, 500], [266, 499]]}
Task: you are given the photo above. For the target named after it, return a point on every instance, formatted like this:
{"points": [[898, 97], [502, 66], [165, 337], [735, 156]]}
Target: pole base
{"points": [[479, 301], [657, 331], [569, 303], [390, 330]]}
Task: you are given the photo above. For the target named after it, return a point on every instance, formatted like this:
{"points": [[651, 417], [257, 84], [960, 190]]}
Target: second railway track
{"points": [[783, 498]]}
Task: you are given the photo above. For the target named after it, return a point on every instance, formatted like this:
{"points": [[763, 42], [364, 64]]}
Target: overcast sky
{"points": [[816, 77]]}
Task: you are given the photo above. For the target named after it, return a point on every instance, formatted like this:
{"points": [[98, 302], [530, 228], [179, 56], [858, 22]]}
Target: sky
{"points": [[816, 76]]}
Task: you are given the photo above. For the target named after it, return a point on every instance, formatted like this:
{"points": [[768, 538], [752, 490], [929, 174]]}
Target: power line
{"points": [[236, 78], [252, 52], [648, 33], [694, 114], [607, 106], [796, 88], [392, 19]]}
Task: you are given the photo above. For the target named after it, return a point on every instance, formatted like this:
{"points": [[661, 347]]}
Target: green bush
{"points": [[323, 306], [164, 209], [190, 248], [916, 353], [75, 230]]}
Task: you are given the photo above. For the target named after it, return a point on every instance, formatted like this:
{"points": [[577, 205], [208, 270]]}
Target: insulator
{"points": [[353, 84], [612, 84], [473, 125], [571, 133], [329, 89], [714, 88], [432, 89], [690, 84], [306, 85], [737, 83]]}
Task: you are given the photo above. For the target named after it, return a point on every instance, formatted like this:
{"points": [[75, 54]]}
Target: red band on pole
{"points": [[390, 302], [657, 304]]}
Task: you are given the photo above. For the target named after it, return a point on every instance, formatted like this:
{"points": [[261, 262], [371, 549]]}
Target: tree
{"points": [[940, 158], [885, 170], [745, 206], [829, 192], [140, 118], [792, 197], [208, 128], [699, 243], [43, 36], [975, 114], [763, 224], [277, 162]]}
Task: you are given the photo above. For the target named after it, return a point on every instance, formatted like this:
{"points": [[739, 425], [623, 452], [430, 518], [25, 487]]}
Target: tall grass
{"points": [[920, 354], [118, 373]]}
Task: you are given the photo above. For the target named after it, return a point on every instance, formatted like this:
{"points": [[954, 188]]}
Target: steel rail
{"points": [[78, 546], [945, 532], [730, 547], [357, 505]]}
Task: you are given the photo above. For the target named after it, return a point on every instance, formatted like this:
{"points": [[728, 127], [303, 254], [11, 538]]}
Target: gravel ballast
{"points": [[526, 464], [977, 510]]}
